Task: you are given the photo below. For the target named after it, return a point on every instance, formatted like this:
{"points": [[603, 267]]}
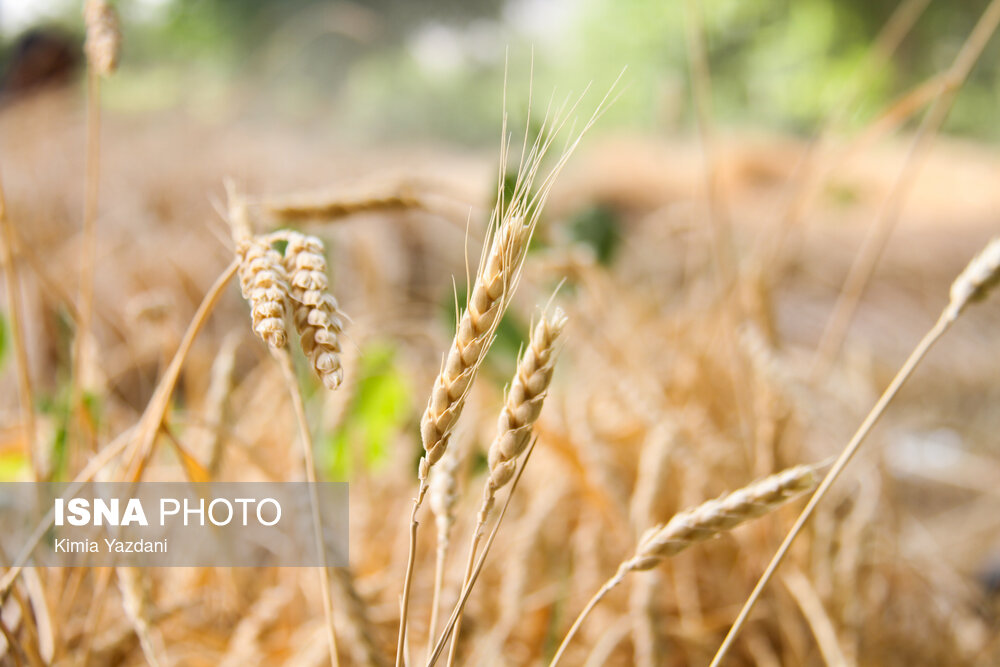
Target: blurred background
{"points": [[757, 153], [405, 69]]}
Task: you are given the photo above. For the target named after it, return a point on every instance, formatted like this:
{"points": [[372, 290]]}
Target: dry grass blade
{"points": [[973, 284], [701, 523]]}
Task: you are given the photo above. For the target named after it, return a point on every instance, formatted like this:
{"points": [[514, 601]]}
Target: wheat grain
{"points": [[104, 37]]}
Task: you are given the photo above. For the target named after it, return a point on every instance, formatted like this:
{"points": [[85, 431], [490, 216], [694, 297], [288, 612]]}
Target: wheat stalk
{"points": [[517, 418], [513, 224], [317, 316], [699, 524], [972, 284]]}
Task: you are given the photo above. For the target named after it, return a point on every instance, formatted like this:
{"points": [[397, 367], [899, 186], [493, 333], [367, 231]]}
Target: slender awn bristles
{"points": [[980, 276], [104, 37], [317, 316], [517, 419], [701, 523]]}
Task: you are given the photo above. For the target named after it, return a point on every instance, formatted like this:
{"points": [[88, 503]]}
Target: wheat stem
{"points": [[467, 589], [284, 360]]}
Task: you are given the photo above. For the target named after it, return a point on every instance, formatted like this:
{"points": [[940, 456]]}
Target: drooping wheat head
{"points": [[265, 287], [316, 313]]}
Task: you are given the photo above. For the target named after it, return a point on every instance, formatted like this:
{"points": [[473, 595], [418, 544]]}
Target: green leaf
{"points": [[599, 228]]}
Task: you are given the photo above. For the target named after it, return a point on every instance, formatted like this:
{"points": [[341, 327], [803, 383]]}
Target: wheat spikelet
{"points": [[524, 404], [265, 287], [317, 316], [104, 37], [975, 282], [717, 516]]}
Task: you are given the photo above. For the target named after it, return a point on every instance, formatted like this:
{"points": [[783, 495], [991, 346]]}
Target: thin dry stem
{"points": [[467, 589], [288, 372]]}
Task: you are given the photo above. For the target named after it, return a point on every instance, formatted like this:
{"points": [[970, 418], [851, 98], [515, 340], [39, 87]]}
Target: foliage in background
{"points": [[433, 67]]}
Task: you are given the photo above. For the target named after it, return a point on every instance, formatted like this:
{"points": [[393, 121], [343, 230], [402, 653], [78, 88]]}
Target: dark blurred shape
{"points": [[39, 58], [599, 228]]}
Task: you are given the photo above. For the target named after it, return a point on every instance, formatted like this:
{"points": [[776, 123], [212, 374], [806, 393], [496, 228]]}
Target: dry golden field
{"points": [[697, 277]]}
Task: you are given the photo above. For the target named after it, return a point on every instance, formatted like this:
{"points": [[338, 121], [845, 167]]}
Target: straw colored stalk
{"points": [[972, 285], [699, 524], [517, 419]]}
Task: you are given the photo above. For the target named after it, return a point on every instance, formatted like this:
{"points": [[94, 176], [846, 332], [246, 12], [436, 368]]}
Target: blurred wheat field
{"points": [[698, 277]]}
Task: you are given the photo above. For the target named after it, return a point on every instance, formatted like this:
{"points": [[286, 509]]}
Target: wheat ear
{"points": [[317, 316], [263, 280], [699, 524], [974, 283], [517, 418], [104, 38]]}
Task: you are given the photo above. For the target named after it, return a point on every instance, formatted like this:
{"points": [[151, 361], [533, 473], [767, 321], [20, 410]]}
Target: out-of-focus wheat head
{"points": [[104, 37]]}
